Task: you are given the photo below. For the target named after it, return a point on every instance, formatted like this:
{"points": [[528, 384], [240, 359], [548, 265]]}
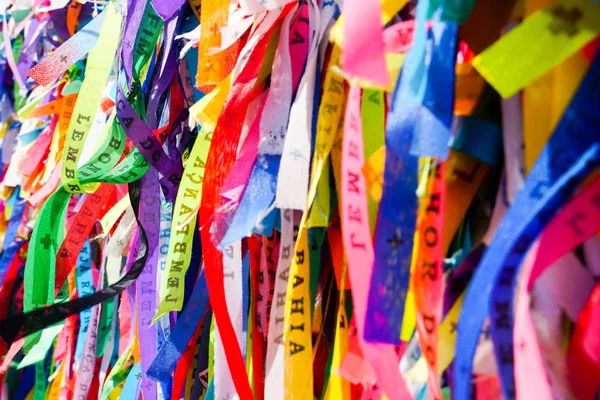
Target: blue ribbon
{"points": [[198, 388], [30, 136], [419, 124], [167, 388], [258, 197], [25, 383], [414, 71], [479, 138], [14, 221], [7, 257], [265, 226], [191, 275], [564, 161], [396, 222], [245, 301], [210, 392], [173, 348], [455, 10], [132, 383], [85, 286], [432, 131]]}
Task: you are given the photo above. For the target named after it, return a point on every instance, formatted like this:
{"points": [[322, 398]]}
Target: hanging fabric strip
{"points": [[232, 275], [362, 52], [182, 229], [146, 286], [99, 63], [428, 275], [85, 286], [396, 223], [382, 358], [274, 370], [564, 27], [295, 160]]}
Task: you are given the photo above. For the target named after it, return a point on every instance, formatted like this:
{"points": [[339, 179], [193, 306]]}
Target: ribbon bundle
{"points": [[277, 199]]}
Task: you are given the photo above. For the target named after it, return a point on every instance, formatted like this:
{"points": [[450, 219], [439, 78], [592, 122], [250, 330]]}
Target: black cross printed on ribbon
{"points": [[565, 21], [297, 38], [374, 97], [46, 241], [314, 245], [395, 240], [452, 326], [63, 59]]}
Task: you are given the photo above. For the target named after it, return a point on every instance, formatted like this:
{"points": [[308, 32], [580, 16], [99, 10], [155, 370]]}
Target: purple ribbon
{"points": [[149, 146], [164, 75], [132, 25], [167, 9], [146, 285]]}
